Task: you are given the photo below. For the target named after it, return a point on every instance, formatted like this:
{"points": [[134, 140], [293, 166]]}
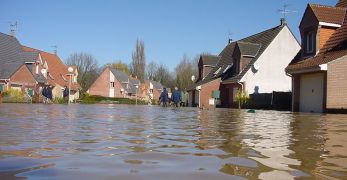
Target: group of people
{"points": [[48, 95], [178, 98]]}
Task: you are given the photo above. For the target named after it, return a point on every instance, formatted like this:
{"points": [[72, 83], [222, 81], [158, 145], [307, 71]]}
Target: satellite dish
{"points": [[193, 78], [43, 71], [256, 66]]}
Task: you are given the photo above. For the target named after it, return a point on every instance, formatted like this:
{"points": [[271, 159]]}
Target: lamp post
{"points": [[70, 70], [199, 89], [137, 86]]}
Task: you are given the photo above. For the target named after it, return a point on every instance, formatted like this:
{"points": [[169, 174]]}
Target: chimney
{"points": [[283, 21]]}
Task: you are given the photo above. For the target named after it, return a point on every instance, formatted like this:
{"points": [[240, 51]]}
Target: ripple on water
{"points": [[147, 142]]}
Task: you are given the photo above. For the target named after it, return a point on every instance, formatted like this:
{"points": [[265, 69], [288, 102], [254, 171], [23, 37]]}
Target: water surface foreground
{"points": [[149, 142]]}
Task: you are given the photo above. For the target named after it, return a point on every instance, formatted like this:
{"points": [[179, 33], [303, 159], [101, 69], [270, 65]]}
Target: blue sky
{"points": [[108, 29]]}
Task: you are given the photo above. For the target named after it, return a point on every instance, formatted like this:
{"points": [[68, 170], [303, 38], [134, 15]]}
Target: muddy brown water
{"points": [[150, 142]]}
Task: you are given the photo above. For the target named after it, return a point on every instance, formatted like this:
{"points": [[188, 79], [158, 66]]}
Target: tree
{"points": [[151, 70], [184, 71], [87, 67], [119, 65], [163, 76], [137, 66]]}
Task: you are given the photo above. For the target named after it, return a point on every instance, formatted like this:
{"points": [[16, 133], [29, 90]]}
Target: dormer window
{"points": [[310, 42]]}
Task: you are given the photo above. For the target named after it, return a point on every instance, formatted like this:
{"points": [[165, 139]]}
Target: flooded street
{"points": [[149, 142]]}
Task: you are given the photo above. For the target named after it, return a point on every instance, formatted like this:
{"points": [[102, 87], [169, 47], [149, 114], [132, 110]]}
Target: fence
{"points": [[275, 100]]}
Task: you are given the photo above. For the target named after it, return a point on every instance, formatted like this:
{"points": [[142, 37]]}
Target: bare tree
{"points": [[87, 67], [184, 71], [163, 76], [119, 65], [151, 69], [137, 66]]}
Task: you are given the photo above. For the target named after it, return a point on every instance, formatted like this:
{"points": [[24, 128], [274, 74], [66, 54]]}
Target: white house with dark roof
{"points": [[255, 64]]}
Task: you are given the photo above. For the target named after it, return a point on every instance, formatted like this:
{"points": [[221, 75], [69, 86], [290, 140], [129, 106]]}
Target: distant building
{"points": [[251, 65], [115, 83], [319, 69], [153, 89]]}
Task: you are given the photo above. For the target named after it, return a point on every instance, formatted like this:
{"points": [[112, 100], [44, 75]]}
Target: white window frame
{"points": [[112, 85]]}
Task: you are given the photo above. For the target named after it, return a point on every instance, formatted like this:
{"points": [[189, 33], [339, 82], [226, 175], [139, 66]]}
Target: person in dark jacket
{"points": [[49, 93], [164, 97], [66, 94], [176, 97], [44, 94]]}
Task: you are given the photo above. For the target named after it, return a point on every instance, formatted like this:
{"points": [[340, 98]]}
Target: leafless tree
{"points": [[87, 67], [184, 71], [163, 76], [137, 66], [151, 69]]}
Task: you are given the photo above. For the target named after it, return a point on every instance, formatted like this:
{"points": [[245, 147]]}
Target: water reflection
{"points": [[144, 142]]}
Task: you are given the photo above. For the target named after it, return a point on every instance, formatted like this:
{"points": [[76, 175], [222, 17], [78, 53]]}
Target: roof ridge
{"points": [[262, 32], [326, 6], [41, 51]]}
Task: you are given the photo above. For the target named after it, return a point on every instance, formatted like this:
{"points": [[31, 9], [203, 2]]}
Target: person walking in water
{"points": [[164, 97], [184, 97], [176, 97], [66, 94]]}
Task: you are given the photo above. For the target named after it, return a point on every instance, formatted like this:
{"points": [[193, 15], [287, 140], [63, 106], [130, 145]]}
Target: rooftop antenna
{"points": [[55, 49], [13, 28], [285, 10], [229, 37]]}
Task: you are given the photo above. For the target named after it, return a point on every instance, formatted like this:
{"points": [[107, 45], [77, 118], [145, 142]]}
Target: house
{"points": [[318, 71], [153, 89], [253, 65], [206, 64], [114, 83], [19, 69], [56, 73]]}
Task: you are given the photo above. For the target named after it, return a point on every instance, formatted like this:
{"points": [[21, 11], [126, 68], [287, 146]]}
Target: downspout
{"points": [[241, 86], [293, 91]]}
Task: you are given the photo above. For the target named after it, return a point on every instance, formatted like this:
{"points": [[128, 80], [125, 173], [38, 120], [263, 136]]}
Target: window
{"points": [[112, 84], [227, 68], [216, 72], [310, 42]]}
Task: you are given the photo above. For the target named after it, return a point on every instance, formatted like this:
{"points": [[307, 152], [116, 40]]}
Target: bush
{"points": [[242, 98], [15, 96], [59, 100], [87, 99]]}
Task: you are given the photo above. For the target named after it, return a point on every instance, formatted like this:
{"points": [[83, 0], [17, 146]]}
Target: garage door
{"points": [[311, 93]]}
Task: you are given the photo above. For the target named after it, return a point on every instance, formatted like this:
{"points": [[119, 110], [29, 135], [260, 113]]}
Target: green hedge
{"points": [[87, 99]]}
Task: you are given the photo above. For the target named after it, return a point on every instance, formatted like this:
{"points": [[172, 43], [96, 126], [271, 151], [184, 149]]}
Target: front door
{"points": [[311, 92]]}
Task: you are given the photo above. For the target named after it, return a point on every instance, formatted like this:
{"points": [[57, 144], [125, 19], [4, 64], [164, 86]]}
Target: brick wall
{"points": [[337, 84], [206, 92], [101, 86], [23, 77], [324, 34]]}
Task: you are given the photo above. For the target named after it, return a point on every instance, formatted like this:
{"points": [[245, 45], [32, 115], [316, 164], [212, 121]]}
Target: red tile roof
{"points": [[328, 14], [315, 61], [342, 3], [56, 69], [339, 36]]}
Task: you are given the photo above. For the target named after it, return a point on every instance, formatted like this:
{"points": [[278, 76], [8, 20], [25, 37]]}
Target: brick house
{"points": [[19, 69], [254, 64], [115, 83], [56, 73], [318, 71]]}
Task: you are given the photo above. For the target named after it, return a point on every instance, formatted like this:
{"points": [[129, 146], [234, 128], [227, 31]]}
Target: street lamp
{"points": [[70, 70], [136, 86]]}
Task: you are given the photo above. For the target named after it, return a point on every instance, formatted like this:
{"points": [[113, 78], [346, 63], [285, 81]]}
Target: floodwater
{"points": [[149, 142]]}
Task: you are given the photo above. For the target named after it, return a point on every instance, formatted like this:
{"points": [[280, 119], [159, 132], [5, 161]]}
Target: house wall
{"points": [[308, 23], [101, 85], [23, 77], [206, 92], [324, 34], [337, 84], [271, 75]]}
